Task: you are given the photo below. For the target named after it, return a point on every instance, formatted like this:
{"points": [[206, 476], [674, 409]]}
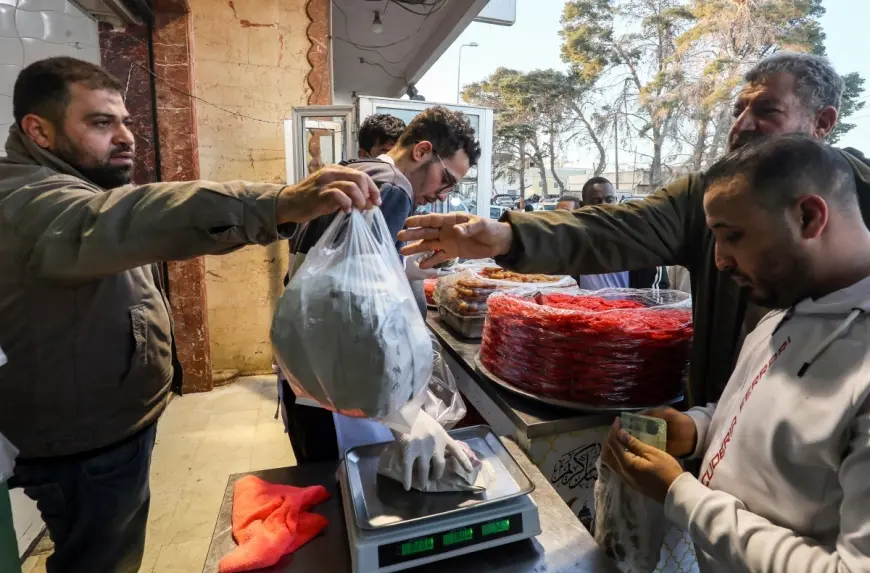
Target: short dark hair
{"points": [[780, 168], [43, 87], [380, 128], [448, 132], [597, 180], [571, 198]]}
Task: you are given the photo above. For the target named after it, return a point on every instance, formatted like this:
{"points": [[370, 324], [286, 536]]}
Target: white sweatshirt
{"points": [[785, 482]]}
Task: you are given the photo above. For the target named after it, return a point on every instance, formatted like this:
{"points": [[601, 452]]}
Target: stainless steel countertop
{"points": [[533, 419], [564, 545]]}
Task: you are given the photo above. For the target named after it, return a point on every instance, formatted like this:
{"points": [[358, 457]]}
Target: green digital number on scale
{"points": [[458, 536], [417, 546], [499, 526]]}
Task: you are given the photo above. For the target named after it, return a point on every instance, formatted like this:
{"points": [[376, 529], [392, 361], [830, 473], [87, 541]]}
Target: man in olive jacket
{"points": [[83, 319], [786, 93]]}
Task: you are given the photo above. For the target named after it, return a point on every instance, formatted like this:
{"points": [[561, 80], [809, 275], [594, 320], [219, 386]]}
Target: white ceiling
{"points": [[406, 49]]}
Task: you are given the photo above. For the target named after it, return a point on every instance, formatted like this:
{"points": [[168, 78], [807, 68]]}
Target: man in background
{"points": [[431, 156], [378, 134], [569, 203], [600, 191], [85, 321]]}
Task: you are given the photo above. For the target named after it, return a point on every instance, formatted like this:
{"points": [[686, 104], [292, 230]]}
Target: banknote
{"points": [[650, 431]]}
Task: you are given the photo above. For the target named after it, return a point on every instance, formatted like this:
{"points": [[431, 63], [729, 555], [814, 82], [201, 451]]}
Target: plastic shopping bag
{"points": [[629, 526], [443, 400], [347, 332]]}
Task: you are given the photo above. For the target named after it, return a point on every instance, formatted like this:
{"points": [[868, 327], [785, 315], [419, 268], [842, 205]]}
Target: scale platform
{"points": [[390, 529]]}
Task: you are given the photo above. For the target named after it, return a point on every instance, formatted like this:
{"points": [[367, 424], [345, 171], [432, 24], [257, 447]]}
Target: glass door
{"points": [[315, 137], [475, 189]]}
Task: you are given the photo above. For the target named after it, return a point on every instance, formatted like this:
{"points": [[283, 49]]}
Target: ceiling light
{"points": [[377, 25]]}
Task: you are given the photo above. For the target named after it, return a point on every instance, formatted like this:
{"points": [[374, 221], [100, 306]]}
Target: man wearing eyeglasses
{"points": [[431, 157]]}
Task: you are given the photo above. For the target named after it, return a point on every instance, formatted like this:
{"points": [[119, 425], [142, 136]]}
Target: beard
{"points": [[99, 171], [784, 281], [747, 137], [744, 138], [419, 180]]}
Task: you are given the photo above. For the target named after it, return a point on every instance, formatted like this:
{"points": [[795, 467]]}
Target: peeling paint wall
{"points": [[250, 67]]}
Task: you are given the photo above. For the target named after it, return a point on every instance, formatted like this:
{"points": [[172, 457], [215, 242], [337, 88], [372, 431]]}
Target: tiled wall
{"points": [[250, 68], [32, 30]]}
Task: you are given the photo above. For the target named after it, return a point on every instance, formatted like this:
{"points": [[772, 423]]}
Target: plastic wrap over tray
{"points": [[602, 348]]}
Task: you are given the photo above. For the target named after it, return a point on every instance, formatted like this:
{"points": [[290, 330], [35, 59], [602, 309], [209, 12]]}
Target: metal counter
{"points": [[564, 545]]}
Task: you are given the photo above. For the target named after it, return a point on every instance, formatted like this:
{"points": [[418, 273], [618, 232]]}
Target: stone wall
{"points": [[250, 68]]}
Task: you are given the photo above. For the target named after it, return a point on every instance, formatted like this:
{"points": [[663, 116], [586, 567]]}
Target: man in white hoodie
{"points": [[785, 479]]}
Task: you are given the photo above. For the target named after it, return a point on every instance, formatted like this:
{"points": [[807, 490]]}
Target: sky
{"points": [[533, 42]]}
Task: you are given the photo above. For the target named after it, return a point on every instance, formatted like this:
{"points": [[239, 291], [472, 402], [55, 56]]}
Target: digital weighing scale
{"points": [[390, 529]]}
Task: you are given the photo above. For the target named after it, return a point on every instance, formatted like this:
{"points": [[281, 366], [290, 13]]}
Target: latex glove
{"points": [[426, 447], [415, 273]]}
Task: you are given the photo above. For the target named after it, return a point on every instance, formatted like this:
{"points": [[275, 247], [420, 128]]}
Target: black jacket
{"points": [[656, 277]]}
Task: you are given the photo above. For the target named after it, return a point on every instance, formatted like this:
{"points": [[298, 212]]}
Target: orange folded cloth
{"points": [[270, 521]]}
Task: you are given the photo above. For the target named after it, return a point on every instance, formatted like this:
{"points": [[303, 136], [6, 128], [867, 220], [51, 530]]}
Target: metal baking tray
{"points": [[466, 326], [577, 406], [380, 502]]}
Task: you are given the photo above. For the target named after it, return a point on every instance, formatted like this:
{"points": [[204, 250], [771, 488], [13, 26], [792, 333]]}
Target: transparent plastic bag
{"points": [[612, 347], [443, 401], [466, 292], [347, 332], [629, 526]]}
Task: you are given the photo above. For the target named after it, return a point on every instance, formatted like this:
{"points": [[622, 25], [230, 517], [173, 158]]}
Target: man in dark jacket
{"points": [[785, 93], [83, 318], [433, 154]]}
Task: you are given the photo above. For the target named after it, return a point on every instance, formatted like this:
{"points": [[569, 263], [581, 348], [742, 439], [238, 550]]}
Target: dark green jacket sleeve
{"points": [[608, 238]]}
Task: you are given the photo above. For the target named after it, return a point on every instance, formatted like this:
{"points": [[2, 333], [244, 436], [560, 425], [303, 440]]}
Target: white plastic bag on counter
{"points": [[629, 526], [347, 332]]}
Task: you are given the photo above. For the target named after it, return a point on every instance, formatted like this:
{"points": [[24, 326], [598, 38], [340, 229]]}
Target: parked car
{"points": [[495, 211], [632, 198], [505, 200], [546, 205]]}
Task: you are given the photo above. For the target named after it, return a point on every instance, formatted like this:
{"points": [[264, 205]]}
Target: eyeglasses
{"points": [[447, 178]]}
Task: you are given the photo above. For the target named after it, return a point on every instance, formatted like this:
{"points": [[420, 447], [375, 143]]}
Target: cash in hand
{"points": [[650, 431]]}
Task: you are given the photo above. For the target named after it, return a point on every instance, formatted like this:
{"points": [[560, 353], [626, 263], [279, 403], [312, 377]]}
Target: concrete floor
{"points": [[201, 440]]}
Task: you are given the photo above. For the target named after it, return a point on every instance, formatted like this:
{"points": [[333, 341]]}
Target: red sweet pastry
{"points": [[605, 349]]}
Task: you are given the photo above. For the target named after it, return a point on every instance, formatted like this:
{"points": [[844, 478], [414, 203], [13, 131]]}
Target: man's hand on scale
{"points": [[455, 235], [325, 192]]}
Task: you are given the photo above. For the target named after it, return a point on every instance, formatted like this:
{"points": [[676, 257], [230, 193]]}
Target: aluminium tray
{"points": [[465, 326], [577, 406]]}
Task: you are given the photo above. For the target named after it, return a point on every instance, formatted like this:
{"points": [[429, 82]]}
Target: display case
{"points": [[320, 135]]}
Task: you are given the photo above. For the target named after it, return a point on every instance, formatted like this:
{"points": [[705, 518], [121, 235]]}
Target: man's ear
{"points": [[813, 212], [421, 151], [38, 129], [825, 122]]}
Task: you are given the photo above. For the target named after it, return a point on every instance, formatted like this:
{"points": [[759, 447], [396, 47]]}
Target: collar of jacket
{"points": [[22, 150]]}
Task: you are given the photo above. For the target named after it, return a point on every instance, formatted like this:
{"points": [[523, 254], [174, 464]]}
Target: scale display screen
{"points": [[446, 541]]}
